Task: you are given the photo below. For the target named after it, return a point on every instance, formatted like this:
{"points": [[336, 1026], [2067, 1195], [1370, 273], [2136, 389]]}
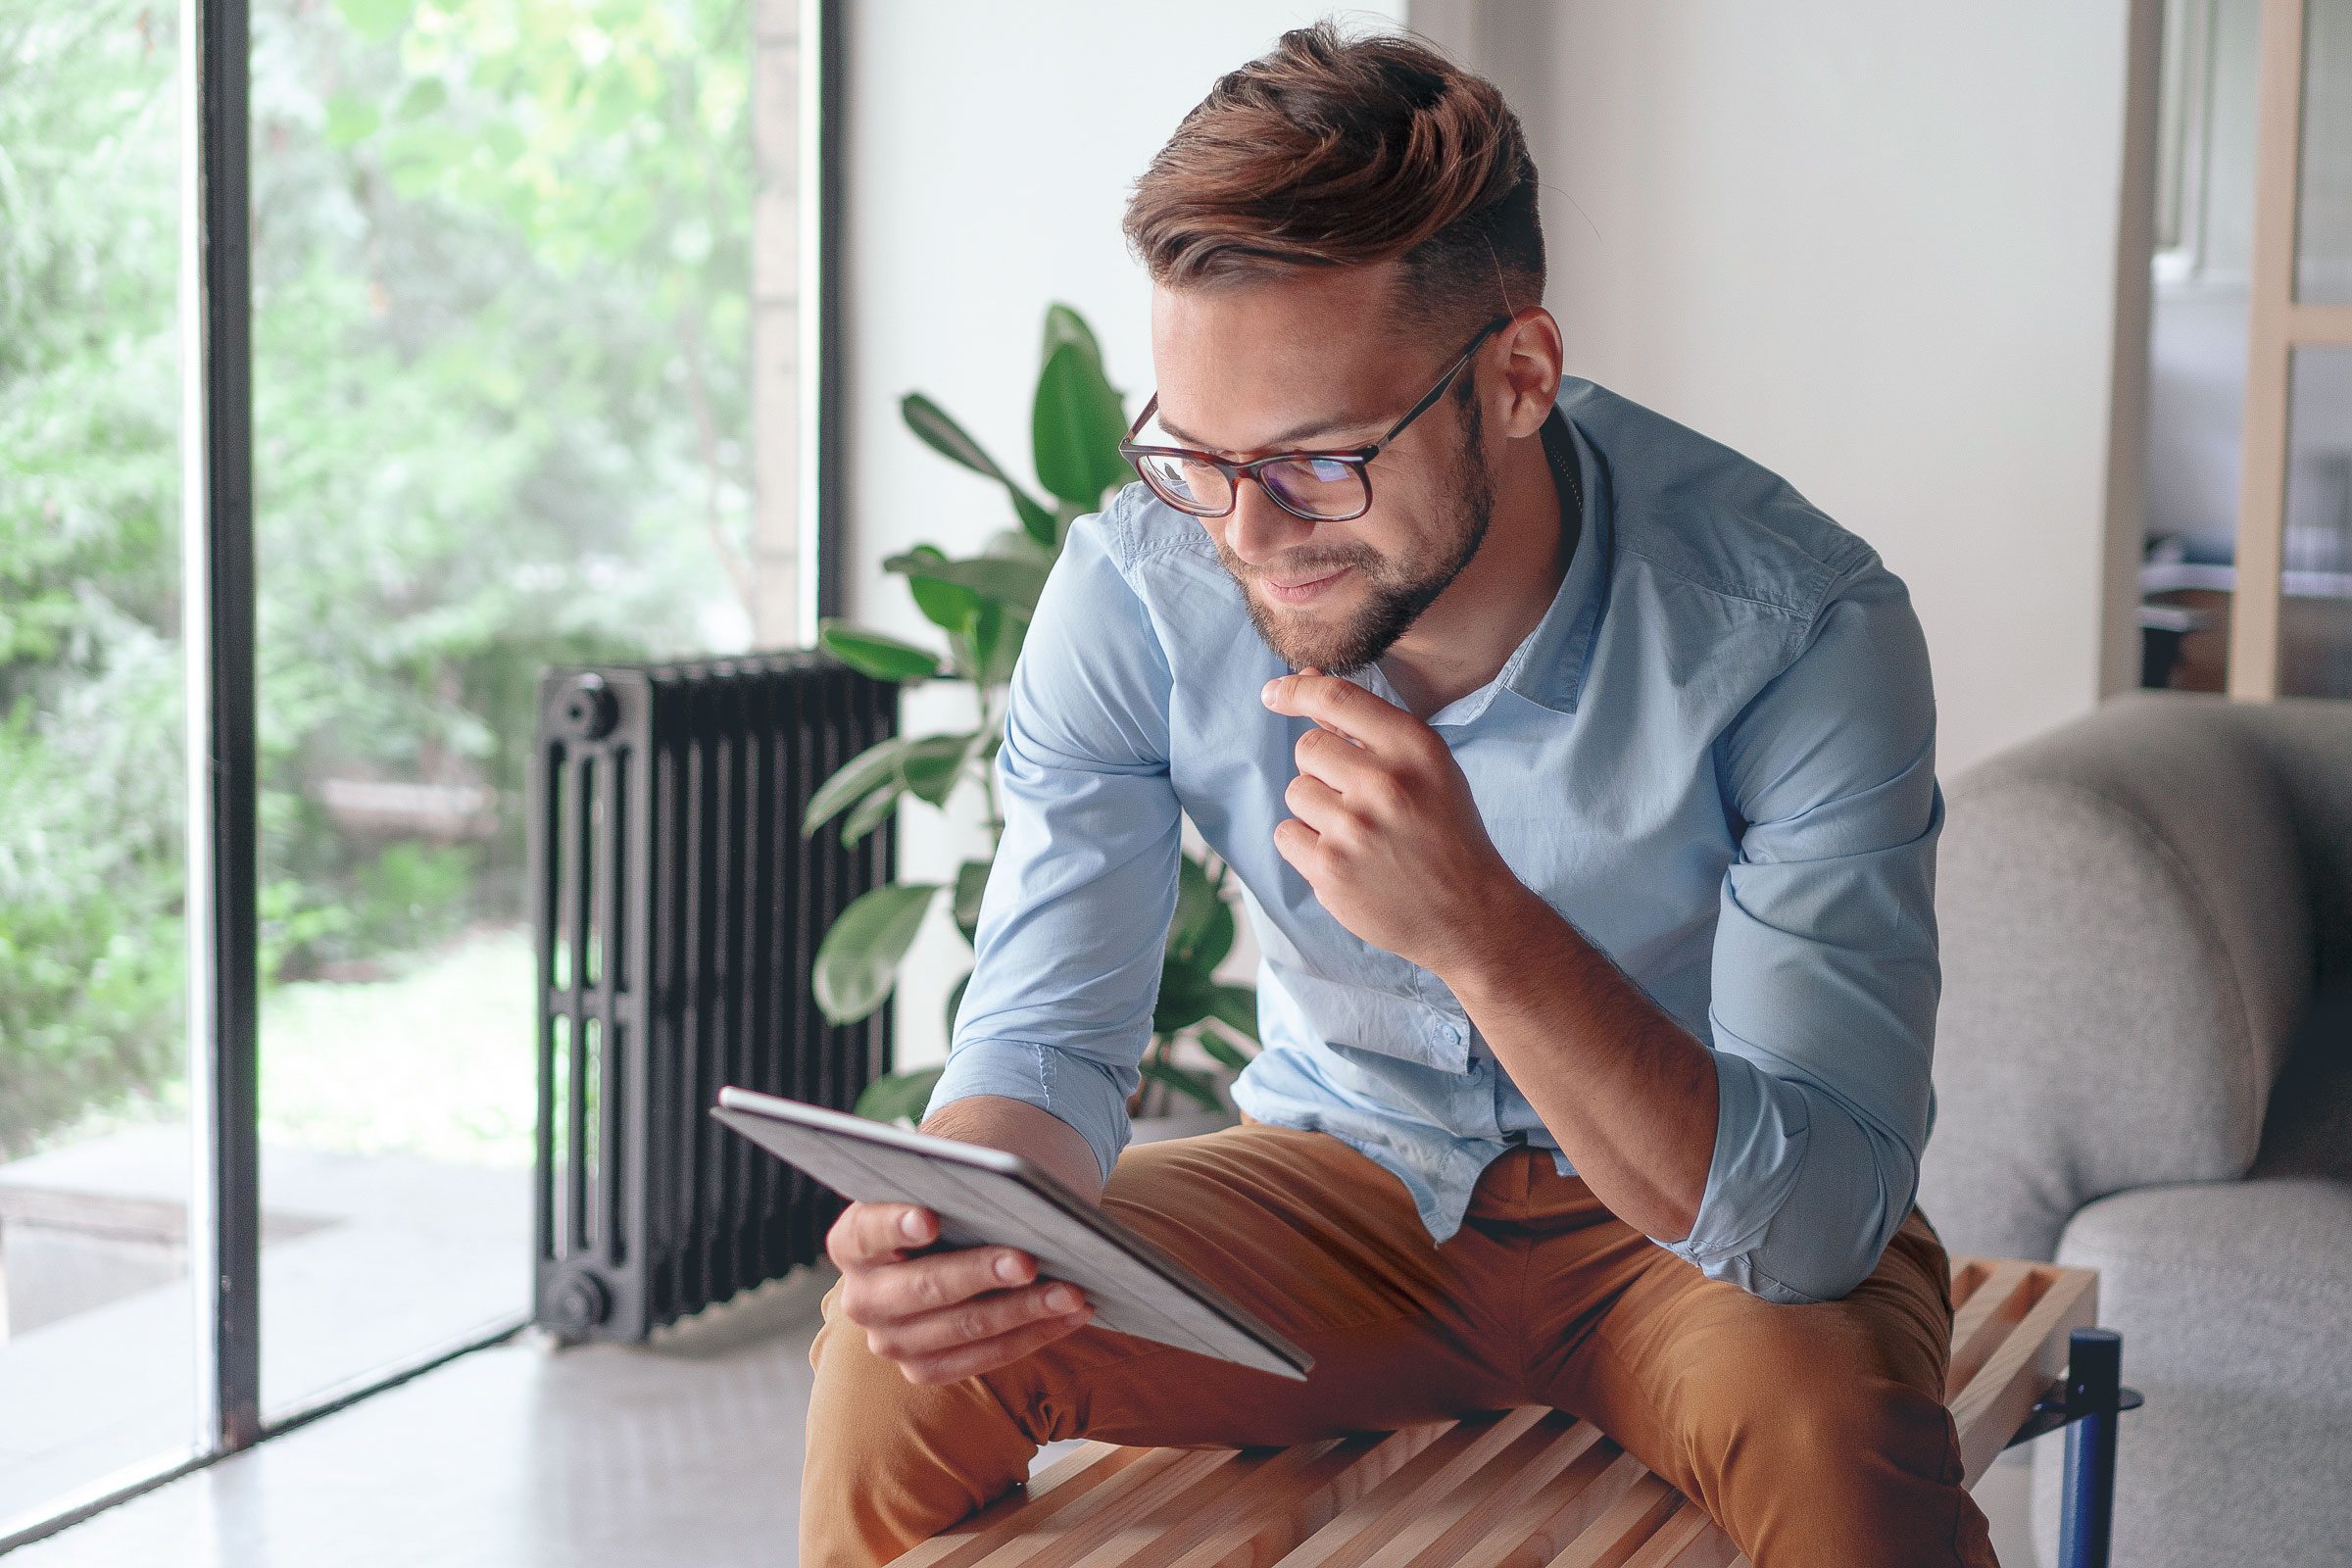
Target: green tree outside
{"points": [[501, 320]]}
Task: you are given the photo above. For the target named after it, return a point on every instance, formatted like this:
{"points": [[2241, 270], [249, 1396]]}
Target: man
{"points": [[1579, 776]]}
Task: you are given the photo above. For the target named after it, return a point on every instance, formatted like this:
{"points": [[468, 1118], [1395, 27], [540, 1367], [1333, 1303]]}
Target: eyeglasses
{"points": [[1318, 486]]}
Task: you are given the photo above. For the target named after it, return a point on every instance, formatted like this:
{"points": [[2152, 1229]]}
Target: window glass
{"points": [[96, 1348], [503, 284]]}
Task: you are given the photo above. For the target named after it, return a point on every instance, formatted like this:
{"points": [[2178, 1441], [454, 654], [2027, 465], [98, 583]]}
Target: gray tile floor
{"points": [[685, 1452]]}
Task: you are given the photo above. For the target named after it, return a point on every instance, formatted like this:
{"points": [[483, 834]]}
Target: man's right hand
{"points": [[943, 1316]]}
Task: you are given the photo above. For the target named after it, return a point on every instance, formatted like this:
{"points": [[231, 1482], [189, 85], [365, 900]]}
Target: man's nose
{"points": [[1259, 531]]}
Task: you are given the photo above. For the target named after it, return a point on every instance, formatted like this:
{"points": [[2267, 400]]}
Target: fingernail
{"points": [[913, 1225], [1008, 1268], [1265, 693], [1061, 1299]]}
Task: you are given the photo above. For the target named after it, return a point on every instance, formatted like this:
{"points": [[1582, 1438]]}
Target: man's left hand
{"points": [[1384, 829]]}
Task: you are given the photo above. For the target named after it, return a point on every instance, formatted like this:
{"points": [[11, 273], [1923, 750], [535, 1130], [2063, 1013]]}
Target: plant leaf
{"points": [[1014, 584], [871, 653], [942, 435], [956, 1000], [930, 766], [1208, 950], [1222, 1048], [1039, 524], [900, 1096], [995, 644], [971, 881], [1186, 996], [873, 810], [944, 603], [1075, 425], [1191, 1084], [1235, 1008], [1064, 325], [859, 960], [1197, 903], [1013, 544], [877, 765]]}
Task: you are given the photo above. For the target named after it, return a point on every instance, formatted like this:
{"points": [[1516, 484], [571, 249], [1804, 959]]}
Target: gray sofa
{"points": [[2143, 1064]]}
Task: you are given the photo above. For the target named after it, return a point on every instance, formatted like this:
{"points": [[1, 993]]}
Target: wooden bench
{"points": [[1528, 1487]]}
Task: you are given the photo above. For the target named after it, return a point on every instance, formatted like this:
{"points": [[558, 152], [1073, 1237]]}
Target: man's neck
{"points": [[1462, 641]]}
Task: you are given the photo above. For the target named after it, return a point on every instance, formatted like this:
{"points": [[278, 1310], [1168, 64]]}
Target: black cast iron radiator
{"points": [[677, 909]]}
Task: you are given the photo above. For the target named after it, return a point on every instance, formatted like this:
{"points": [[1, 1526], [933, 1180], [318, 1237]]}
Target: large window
{"points": [[523, 355]]}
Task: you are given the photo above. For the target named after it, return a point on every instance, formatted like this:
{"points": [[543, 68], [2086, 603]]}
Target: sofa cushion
{"points": [[2235, 1301]]}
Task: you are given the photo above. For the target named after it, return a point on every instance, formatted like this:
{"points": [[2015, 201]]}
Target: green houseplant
{"points": [[982, 605]]}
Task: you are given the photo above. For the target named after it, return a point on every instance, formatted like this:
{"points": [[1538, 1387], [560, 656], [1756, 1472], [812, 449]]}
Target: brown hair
{"points": [[1328, 151]]}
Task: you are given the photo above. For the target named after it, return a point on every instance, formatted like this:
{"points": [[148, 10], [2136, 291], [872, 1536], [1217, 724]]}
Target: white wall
{"points": [[989, 152], [1875, 247]]}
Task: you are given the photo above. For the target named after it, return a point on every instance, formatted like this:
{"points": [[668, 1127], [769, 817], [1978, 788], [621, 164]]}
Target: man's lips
{"points": [[1299, 587]]}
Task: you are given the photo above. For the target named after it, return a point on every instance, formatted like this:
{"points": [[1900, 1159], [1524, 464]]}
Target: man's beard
{"points": [[1396, 592]]}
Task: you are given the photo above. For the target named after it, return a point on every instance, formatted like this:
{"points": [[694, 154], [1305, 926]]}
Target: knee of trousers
{"points": [[1828, 1430]]}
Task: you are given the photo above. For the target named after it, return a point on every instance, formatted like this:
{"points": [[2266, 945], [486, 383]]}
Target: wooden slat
{"points": [[1978, 1324], [1547, 1518], [1263, 1532], [1626, 1528], [1520, 1489], [1999, 1398], [1023, 1512], [1151, 1538], [1351, 1537], [1441, 1535], [1113, 1509]]}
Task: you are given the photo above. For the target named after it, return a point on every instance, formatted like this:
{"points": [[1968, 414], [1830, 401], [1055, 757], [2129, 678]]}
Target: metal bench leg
{"points": [[2094, 1388]]}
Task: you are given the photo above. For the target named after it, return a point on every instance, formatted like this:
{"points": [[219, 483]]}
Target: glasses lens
{"points": [[1317, 487], [1184, 484]]}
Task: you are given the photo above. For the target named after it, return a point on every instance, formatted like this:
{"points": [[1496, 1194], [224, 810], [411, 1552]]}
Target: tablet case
{"points": [[987, 1196]]}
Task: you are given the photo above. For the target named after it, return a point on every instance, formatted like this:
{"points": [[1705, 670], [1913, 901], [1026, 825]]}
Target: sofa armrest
{"points": [[2125, 946]]}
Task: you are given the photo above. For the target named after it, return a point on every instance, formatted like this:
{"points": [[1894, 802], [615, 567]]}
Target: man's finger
{"points": [[989, 1355], [1330, 757], [1300, 844], [945, 1279], [874, 1233], [1314, 803], [1343, 707], [972, 1322]]}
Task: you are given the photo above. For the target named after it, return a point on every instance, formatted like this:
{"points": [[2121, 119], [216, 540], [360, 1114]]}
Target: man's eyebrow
{"points": [[1284, 440]]}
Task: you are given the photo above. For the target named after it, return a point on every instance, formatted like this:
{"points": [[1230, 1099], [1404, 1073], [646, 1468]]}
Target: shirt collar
{"points": [[1548, 667]]}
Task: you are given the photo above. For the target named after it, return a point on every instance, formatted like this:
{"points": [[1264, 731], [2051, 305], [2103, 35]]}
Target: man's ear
{"points": [[1533, 355]]}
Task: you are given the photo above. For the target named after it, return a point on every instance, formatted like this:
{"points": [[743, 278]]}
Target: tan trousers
{"points": [[1816, 1435]]}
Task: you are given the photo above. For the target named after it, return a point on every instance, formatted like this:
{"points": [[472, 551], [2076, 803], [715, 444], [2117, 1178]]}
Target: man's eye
{"points": [[1327, 470]]}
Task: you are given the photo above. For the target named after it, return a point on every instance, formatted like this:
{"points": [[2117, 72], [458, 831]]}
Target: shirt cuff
{"points": [[1072, 1088], [1798, 1204], [1762, 1129]]}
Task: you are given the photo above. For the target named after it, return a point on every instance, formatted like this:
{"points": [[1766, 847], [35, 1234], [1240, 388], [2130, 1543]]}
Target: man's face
{"points": [[1313, 363]]}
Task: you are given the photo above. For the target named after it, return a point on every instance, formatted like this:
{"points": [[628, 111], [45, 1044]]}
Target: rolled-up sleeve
{"points": [[1074, 921], [1824, 972]]}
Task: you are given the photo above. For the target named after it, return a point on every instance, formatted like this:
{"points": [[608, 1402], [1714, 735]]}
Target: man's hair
{"points": [[1328, 151]]}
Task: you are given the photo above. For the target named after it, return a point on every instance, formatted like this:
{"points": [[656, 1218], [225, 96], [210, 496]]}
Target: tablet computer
{"points": [[986, 1197]]}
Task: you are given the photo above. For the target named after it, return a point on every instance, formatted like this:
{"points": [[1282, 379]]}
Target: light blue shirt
{"points": [[1714, 756]]}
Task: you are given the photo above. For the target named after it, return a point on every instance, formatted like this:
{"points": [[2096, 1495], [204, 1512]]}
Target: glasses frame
{"points": [[1359, 457]]}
